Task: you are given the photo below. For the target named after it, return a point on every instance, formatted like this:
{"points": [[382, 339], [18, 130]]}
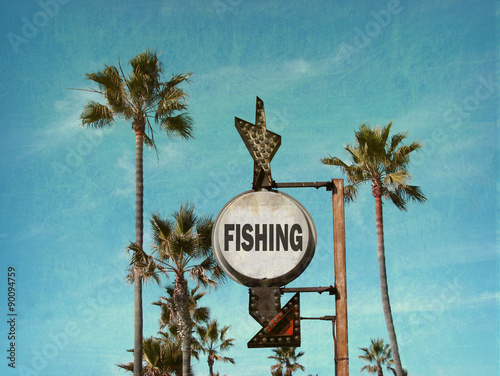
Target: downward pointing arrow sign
{"points": [[283, 330]]}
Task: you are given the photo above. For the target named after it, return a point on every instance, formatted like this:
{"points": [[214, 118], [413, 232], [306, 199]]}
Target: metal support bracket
{"points": [[330, 289]]}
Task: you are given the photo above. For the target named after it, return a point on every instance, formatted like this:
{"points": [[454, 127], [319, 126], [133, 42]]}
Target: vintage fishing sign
{"points": [[264, 238]]}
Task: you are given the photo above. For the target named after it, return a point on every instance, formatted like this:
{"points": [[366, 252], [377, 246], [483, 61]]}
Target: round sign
{"points": [[263, 238]]}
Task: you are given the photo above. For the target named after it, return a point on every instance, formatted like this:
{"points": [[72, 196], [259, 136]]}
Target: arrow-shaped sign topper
{"points": [[261, 143]]}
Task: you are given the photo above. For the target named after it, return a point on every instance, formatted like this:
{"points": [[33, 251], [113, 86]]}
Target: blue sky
{"points": [[322, 69]]}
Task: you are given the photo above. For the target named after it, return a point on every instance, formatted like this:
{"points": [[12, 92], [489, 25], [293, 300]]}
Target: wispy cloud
{"points": [[265, 75], [65, 123]]}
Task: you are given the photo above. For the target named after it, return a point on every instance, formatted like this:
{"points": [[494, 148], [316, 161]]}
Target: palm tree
{"points": [[137, 98], [199, 315], [184, 247], [377, 355], [162, 357], [213, 341], [287, 359], [384, 164]]}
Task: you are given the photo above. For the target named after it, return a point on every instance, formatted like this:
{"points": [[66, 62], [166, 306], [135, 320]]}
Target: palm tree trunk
{"points": [[211, 365], [184, 322], [139, 203], [386, 305], [380, 372]]}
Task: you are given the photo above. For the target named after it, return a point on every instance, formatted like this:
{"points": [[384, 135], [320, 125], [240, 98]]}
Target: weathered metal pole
{"points": [[339, 259]]}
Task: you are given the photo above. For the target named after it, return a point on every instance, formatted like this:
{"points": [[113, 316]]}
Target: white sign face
{"points": [[264, 238]]}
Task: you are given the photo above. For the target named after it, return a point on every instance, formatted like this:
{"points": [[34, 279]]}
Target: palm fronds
{"points": [[97, 115], [139, 96], [161, 356], [147, 266], [373, 158], [377, 355], [286, 361]]}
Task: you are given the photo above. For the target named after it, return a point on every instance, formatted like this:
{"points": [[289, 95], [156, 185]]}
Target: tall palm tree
{"points": [[139, 97], [287, 360], [213, 341], [199, 314], [384, 164], [183, 246], [161, 357], [378, 355]]}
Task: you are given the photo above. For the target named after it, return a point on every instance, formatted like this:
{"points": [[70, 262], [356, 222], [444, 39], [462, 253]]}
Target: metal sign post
{"points": [[265, 239], [340, 330], [339, 260]]}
